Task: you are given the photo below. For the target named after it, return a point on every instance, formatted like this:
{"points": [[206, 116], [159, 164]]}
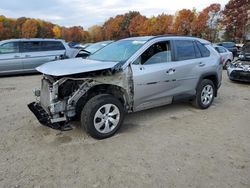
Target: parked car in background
{"points": [[126, 76], [239, 48], [226, 55], [72, 44], [82, 46], [239, 71], [93, 48], [245, 52], [24, 55], [231, 46]]}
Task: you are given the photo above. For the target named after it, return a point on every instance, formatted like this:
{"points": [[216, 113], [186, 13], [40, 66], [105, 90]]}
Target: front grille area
{"points": [[45, 94]]}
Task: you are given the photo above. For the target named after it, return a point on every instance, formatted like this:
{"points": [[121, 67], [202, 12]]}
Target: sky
{"points": [[90, 12]]}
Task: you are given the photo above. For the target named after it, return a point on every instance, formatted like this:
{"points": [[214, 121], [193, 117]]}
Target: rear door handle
{"points": [[202, 64], [27, 56], [16, 56], [170, 71]]}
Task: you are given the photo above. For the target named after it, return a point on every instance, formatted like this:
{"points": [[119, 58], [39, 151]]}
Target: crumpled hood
{"points": [[73, 66]]}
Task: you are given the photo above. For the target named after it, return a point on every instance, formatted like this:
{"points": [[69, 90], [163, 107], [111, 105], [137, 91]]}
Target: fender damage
{"points": [[61, 89]]}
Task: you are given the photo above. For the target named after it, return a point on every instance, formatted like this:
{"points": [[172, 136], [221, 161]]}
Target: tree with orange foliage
{"points": [[112, 28], [7, 29], [96, 33], [236, 15], [57, 31], [206, 24], [137, 26], [30, 28], [163, 24], [127, 17], [184, 22]]}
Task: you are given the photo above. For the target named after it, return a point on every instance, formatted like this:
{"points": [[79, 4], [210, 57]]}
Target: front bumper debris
{"points": [[44, 118], [240, 76], [239, 71]]}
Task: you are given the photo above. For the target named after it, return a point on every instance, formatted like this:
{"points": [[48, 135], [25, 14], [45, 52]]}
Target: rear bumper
{"points": [[42, 116]]}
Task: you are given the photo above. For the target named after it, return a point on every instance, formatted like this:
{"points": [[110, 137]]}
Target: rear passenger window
{"points": [[52, 46], [204, 51], [30, 46], [185, 50]]}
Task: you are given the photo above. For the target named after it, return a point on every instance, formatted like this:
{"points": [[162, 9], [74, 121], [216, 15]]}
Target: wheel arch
{"points": [[210, 76], [114, 90]]}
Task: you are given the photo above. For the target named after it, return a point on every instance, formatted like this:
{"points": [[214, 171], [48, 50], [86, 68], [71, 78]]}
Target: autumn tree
{"points": [[57, 31], [45, 29], [163, 24], [235, 17], [127, 17], [206, 23], [7, 27], [18, 26], [137, 26], [96, 33], [30, 28], [112, 28], [184, 22]]}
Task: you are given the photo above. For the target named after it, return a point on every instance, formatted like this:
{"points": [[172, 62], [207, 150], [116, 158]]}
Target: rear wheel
{"points": [[205, 94], [102, 116]]}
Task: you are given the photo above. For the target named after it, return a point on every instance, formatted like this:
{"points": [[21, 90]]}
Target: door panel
{"points": [[10, 58], [35, 59], [152, 84], [11, 62]]}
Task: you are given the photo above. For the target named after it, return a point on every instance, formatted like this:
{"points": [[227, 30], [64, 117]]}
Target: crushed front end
{"points": [[239, 71], [56, 101]]}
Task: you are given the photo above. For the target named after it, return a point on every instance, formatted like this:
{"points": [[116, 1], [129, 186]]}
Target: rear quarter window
{"points": [[203, 49]]}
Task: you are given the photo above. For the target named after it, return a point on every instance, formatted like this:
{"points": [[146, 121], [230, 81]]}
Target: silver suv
{"points": [[127, 76], [24, 55]]}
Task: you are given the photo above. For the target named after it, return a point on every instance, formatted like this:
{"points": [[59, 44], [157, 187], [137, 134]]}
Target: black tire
{"points": [[91, 108], [197, 102]]}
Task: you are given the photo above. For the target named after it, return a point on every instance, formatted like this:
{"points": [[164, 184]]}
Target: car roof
{"points": [[30, 39], [148, 38]]}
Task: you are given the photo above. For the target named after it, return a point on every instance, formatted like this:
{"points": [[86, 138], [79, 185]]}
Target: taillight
{"points": [[222, 60]]}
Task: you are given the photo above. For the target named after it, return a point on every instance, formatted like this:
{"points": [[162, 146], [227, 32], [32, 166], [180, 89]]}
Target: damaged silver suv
{"points": [[126, 76]]}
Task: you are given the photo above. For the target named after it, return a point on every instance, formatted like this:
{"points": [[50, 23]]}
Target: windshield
{"points": [[118, 51], [97, 46]]}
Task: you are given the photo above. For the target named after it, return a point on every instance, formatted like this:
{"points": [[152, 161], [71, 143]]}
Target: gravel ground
{"points": [[171, 146]]}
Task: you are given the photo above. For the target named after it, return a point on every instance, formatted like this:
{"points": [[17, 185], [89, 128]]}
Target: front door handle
{"points": [[201, 64], [16, 56], [170, 71], [27, 56]]}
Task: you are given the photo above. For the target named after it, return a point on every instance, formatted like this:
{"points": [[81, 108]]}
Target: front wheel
{"points": [[205, 94], [102, 116]]}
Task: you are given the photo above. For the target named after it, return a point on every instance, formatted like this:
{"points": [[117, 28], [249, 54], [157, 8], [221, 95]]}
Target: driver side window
{"points": [[157, 53]]}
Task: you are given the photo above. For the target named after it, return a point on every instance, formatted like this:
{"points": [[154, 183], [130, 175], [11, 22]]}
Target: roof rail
{"points": [[171, 35]]}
